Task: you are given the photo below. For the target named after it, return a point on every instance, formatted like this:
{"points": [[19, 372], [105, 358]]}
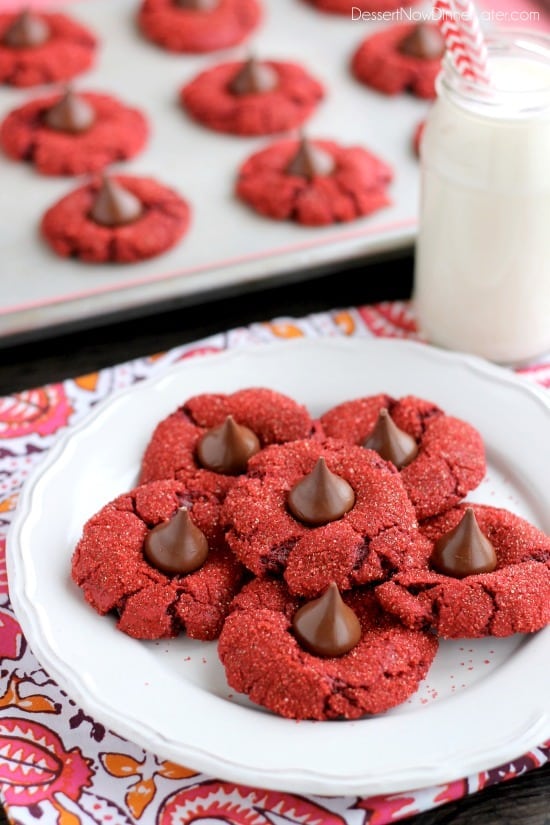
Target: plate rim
{"points": [[534, 730]]}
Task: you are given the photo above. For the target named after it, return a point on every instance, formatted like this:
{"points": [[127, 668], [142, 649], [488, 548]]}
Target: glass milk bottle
{"points": [[482, 270]]}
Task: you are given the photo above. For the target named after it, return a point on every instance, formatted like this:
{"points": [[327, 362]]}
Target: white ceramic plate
{"points": [[483, 702]]}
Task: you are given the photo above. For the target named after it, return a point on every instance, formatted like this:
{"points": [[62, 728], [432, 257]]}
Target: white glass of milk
{"points": [[482, 270]]}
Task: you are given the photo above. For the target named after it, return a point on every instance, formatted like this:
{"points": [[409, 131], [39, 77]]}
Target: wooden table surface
{"points": [[523, 801]]}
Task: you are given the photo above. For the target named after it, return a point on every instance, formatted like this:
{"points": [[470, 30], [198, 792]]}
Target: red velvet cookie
{"points": [[71, 232], [417, 137], [110, 567], [180, 29], [375, 538], [209, 99], [514, 598], [172, 451], [67, 50], [355, 186], [116, 132], [347, 6], [263, 658], [451, 457], [380, 63]]}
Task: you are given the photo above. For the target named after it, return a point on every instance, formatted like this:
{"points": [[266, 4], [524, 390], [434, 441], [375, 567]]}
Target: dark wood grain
{"points": [[524, 801]]}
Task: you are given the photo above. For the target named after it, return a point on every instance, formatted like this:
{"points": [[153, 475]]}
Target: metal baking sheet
{"points": [[228, 247]]}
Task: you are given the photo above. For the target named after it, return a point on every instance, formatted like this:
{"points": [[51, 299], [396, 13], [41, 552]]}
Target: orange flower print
{"points": [[141, 793], [43, 411]]}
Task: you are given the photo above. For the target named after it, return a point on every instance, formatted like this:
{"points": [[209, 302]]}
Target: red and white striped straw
{"points": [[459, 24]]}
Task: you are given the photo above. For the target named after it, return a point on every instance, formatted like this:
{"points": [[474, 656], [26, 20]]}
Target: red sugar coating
{"points": [[118, 133], [109, 566], [71, 233], [378, 63], [208, 100], [185, 30], [451, 456], [346, 6], [514, 598], [356, 187], [374, 539], [69, 51], [272, 416], [263, 659]]}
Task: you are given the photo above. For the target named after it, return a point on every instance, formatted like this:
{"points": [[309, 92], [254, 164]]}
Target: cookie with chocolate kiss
{"points": [[198, 26], [315, 511], [208, 441], [42, 47], [400, 58], [73, 132], [265, 658], [314, 182], [440, 458], [252, 97], [152, 559], [121, 219], [487, 575]]}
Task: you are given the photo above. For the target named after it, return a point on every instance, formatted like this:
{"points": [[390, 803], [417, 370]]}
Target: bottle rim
{"points": [[517, 44]]}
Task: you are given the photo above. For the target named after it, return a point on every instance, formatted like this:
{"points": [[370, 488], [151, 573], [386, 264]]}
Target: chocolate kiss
{"points": [[227, 448], [310, 162], [390, 442], [253, 78], [197, 5], [114, 205], [424, 42], [327, 626], [70, 114], [321, 496], [464, 551], [27, 30], [177, 545]]}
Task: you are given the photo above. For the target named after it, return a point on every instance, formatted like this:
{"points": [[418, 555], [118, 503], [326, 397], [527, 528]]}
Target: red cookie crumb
{"points": [[378, 63], [109, 566], [118, 133], [69, 51], [185, 30], [71, 233], [376, 538], [451, 456], [208, 100], [355, 188], [263, 659], [514, 598], [347, 6], [171, 452]]}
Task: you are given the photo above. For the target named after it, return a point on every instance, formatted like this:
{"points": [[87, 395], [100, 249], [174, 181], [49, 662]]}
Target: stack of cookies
{"points": [[327, 556]]}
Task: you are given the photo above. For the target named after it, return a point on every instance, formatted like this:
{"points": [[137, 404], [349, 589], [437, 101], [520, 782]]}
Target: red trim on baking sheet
{"points": [[149, 279]]}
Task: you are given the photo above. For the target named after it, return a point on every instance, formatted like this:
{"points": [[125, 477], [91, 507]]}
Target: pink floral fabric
{"points": [[58, 765]]}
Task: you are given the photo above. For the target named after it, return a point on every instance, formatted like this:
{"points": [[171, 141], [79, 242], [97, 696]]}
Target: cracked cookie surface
{"points": [[514, 598], [118, 133], [356, 187], [380, 64], [186, 30], [109, 566], [263, 659], [69, 50], [208, 100], [374, 539], [451, 455], [70, 231]]}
